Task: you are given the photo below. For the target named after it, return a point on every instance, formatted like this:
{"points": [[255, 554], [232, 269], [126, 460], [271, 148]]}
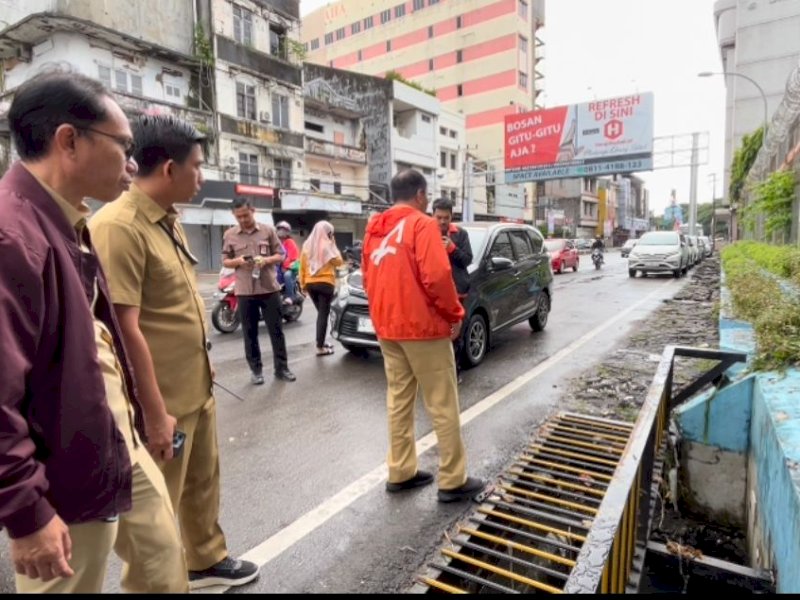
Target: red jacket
{"points": [[407, 277], [292, 253]]}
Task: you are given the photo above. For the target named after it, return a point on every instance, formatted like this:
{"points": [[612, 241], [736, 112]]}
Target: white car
{"points": [[659, 252]]}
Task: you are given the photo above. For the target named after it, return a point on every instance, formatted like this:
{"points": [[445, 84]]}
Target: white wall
{"points": [[84, 57]]}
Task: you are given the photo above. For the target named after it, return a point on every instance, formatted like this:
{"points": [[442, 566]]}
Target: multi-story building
{"points": [[153, 72], [758, 40], [479, 56]]}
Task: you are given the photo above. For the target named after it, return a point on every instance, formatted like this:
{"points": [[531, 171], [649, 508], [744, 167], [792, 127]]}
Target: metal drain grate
{"points": [[526, 535]]}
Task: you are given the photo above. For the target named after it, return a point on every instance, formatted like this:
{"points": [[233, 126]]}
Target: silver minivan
{"points": [[659, 252]]}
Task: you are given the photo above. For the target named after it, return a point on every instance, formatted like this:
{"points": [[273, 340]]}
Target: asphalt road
{"points": [[303, 463]]}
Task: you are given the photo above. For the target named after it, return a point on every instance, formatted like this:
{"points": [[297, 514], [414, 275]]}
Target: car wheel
{"points": [[560, 268], [539, 321], [677, 273], [631, 272], [476, 341], [353, 349], [577, 264]]}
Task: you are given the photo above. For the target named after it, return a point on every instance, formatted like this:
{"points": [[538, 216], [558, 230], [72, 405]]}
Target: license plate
{"points": [[365, 325]]}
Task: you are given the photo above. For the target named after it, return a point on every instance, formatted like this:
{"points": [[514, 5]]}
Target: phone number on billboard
{"points": [[599, 168]]}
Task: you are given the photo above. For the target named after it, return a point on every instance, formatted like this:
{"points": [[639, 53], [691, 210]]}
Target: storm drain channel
{"points": [[526, 535]]}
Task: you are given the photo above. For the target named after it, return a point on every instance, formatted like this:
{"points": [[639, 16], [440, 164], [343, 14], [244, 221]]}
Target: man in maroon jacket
{"points": [[72, 463]]}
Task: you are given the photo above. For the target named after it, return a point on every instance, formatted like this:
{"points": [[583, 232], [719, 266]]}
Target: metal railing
{"points": [[617, 540]]}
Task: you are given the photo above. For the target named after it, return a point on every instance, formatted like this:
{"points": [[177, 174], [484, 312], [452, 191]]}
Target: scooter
{"points": [[597, 258], [225, 314]]}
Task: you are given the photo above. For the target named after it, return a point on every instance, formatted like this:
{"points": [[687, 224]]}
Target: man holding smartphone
{"points": [[254, 250]]}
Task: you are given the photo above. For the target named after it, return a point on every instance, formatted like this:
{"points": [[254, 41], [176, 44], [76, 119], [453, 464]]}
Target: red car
{"points": [[563, 255]]}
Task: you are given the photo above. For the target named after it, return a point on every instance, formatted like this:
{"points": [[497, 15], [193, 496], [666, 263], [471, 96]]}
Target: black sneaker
{"points": [[285, 374], [418, 480], [228, 571], [470, 489]]}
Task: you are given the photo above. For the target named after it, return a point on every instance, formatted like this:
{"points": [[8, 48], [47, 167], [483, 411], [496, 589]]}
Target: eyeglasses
{"points": [[127, 144]]}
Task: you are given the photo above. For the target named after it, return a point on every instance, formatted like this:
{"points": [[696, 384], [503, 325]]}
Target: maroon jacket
{"points": [[60, 450]]}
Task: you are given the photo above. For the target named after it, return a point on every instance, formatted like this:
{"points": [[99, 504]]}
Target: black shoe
{"points": [[418, 480], [257, 379], [470, 489], [285, 374], [226, 572]]}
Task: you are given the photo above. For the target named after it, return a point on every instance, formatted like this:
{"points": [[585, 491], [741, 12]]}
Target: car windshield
{"points": [[553, 245], [659, 238], [477, 239]]}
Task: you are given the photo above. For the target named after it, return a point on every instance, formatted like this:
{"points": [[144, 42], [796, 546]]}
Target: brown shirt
{"points": [[262, 241], [147, 270]]}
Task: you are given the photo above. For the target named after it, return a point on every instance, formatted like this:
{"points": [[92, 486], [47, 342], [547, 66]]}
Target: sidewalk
{"points": [[207, 285]]}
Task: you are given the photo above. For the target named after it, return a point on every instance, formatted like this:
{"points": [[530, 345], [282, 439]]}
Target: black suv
{"points": [[510, 282]]}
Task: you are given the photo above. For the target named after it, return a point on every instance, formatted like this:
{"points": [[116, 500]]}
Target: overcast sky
{"points": [[606, 48]]}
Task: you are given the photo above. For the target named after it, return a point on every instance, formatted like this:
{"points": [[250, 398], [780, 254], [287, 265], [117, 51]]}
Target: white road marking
{"points": [[275, 545]]}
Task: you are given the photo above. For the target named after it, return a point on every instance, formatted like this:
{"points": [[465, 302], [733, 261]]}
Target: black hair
{"points": [[443, 204], [406, 184], [241, 202], [51, 99], [160, 138]]}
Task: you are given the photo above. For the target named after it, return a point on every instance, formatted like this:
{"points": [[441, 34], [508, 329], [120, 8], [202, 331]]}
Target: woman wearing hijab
{"points": [[318, 262]]}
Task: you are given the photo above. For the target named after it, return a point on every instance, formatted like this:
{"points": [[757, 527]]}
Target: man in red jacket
{"points": [[416, 313]]}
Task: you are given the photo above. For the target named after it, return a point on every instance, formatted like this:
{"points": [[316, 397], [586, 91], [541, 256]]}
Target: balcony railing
{"points": [[339, 151]]}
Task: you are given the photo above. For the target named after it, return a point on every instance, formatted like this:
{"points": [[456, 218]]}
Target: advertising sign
{"points": [[594, 138]]}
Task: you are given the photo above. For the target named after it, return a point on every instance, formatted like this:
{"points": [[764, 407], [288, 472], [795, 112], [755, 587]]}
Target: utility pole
{"points": [[713, 233], [468, 208], [693, 185]]}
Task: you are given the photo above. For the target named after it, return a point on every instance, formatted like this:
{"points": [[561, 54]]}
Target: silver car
{"points": [[659, 252]]}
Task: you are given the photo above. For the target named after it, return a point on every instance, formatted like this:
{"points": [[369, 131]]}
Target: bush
{"points": [[758, 298]]}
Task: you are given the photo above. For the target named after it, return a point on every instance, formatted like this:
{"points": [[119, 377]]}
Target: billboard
{"points": [[594, 138]]}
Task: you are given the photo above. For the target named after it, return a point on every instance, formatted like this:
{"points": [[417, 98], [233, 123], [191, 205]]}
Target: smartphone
{"points": [[177, 443], [248, 258]]}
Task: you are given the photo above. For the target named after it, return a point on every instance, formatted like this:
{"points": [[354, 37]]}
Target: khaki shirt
{"points": [[116, 396], [146, 269], [261, 241]]}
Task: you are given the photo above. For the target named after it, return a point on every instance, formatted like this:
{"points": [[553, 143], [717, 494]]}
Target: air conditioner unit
{"points": [[232, 161], [268, 173], [264, 117]]}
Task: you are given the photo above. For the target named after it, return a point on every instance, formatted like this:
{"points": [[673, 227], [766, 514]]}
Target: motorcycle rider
{"points": [[599, 245], [292, 254]]}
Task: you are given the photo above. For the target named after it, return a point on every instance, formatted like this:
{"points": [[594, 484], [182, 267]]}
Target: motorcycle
{"points": [[597, 258], [225, 315]]}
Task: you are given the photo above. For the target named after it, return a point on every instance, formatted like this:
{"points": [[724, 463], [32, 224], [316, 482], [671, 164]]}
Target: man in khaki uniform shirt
{"points": [[153, 287]]}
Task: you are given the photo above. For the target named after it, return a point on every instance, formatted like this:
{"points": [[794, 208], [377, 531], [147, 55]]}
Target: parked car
{"points": [[627, 247], [510, 282], [694, 250], [707, 249], [563, 255], [583, 246], [659, 252]]}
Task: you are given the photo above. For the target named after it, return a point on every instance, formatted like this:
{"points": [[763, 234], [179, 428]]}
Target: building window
{"points": [[453, 133], [523, 80], [316, 184], [104, 75], [242, 25], [419, 4], [523, 9], [369, 23], [136, 85], [248, 168], [459, 22], [426, 119], [443, 159], [523, 44], [314, 127], [430, 32], [386, 16], [277, 41], [280, 111], [453, 159], [120, 80], [459, 90], [432, 2], [315, 44], [337, 187], [328, 39], [340, 33], [172, 91], [430, 64], [359, 56], [246, 101], [442, 130], [282, 172], [388, 45], [399, 11], [355, 28], [459, 56]]}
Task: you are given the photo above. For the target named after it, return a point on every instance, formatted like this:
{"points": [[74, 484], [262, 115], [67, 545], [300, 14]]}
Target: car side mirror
{"points": [[500, 263]]}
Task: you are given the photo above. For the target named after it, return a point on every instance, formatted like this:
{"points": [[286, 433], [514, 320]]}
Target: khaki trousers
{"points": [[428, 365], [145, 538], [193, 483]]}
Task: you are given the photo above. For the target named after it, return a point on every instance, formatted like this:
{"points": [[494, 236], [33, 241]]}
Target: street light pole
{"points": [[751, 80]]}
